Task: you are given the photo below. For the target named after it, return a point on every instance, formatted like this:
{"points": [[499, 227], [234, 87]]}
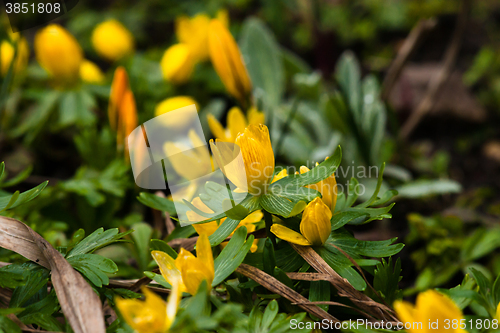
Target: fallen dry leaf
{"points": [[344, 288], [274, 285], [79, 303]]}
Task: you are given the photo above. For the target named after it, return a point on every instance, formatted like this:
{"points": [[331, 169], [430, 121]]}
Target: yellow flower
{"points": [[151, 315], [112, 40], [174, 103], [7, 52], [191, 271], [498, 312], [59, 53], [190, 162], [282, 174], [227, 61], [236, 123], [430, 306], [327, 187], [122, 110], [254, 172], [91, 73], [315, 226], [177, 63], [210, 227], [194, 33]]}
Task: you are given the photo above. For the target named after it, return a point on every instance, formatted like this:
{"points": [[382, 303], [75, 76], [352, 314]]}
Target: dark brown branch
{"points": [[414, 39], [440, 78]]}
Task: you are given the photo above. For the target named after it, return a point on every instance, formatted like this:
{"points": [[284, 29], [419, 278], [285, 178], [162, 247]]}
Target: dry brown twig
{"points": [[414, 39], [441, 76], [344, 288], [275, 286]]}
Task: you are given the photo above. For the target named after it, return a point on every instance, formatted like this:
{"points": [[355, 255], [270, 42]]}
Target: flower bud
{"points": [[228, 62], [112, 40], [59, 53], [177, 63]]}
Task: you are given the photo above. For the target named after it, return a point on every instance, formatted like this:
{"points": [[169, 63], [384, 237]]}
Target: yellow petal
{"points": [[127, 118], [436, 306], [315, 224], [174, 103], [177, 63], [282, 174], [168, 267], [145, 316], [194, 33], [112, 40], [204, 253], [406, 313], [193, 271], [217, 130], [90, 73], [289, 235], [256, 117], [223, 16], [227, 61], [203, 228], [236, 122], [173, 302], [258, 157], [118, 88]]}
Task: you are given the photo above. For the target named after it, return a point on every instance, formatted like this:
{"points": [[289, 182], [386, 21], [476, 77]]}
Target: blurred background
{"points": [[412, 83]]}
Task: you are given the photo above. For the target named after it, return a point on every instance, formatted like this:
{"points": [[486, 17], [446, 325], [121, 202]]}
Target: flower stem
{"points": [[268, 218]]}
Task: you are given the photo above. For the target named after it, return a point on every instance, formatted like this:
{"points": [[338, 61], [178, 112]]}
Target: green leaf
{"points": [[262, 55], [159, 245], [324, 170], [232, 255], [156, 202], [9, 202], [335, 259], [424, 188], [269, 314], [365, 215], [141, 236], [17, 179], [94, 267], [348, 76], [36, 279], [356, 248], [320, 291], [97, 240], [7, 325], [37, 118], [374, 196], [287, 201], [75, 107], [386, 280], [45, 321], [11, 279], [223, 231], [268, 257], [158, 278], [48, 305]]}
